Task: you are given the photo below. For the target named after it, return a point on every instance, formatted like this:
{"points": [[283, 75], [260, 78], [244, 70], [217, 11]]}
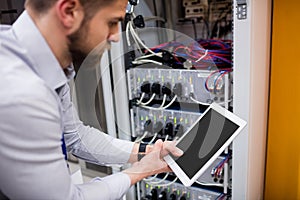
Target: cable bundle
{"points": [[214, 82], [220, 52], [204, 54], [218, 170]]}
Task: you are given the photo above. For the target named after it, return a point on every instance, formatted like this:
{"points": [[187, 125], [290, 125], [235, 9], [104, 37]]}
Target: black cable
{"points": [[155, 8], [195, 30], [214, 27], [193, 23], [163, 24], [208, 20], [159, 23], [164, 13], [155, 12], [207, 28]]}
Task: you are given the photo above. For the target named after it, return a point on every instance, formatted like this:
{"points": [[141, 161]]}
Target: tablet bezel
{"points": [[177, 169]]}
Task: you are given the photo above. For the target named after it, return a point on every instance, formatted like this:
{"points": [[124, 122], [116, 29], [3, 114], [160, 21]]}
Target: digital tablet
{"points": [[203, 142]]}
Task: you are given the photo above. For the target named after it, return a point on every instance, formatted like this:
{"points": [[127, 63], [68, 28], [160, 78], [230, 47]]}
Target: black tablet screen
{"points": [[204, 140]]}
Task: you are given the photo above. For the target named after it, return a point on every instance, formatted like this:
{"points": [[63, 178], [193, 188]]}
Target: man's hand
{"points": [[153, 162]]}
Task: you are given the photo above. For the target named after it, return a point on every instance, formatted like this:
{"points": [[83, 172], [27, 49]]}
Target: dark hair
{"points": [[40, 6], [90, 6]]}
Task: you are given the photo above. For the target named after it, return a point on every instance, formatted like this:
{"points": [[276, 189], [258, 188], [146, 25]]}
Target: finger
{"points": [[158, 145], [168, 169], [170, 147]]}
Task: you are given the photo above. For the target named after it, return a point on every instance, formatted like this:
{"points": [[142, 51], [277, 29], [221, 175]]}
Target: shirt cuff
{"points": [[125, 147], [118, 184]]}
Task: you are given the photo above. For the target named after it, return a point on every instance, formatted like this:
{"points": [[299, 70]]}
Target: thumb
{"points": [[170, 147]]}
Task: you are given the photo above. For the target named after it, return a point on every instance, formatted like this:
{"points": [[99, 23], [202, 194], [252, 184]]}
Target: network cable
{"points": [[141, 138], [161, 108], [139, 102], [153, 138], [198, 102], [163, 102], [148, 180]]}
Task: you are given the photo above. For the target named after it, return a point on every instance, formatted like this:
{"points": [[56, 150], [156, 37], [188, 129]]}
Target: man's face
{"points": [[98, 32]]}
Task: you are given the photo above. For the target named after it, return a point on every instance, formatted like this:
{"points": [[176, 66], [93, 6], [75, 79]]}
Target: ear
{"points": [[70, 13]]}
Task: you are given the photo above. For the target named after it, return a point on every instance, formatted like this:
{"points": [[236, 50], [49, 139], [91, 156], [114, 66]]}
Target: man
{"points": [[35, 108]]}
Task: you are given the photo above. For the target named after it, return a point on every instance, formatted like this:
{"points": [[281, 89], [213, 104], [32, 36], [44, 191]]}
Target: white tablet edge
{"points": [[186, 181]]}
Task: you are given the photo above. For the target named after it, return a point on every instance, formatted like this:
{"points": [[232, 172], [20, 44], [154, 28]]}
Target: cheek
{"points": [[98, 36], [96, 43], [101, 38]]}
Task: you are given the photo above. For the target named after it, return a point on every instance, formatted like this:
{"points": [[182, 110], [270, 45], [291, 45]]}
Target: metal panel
{"points": [[251, 85]]}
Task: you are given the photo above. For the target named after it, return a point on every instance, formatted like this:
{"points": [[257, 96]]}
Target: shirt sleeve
{"points": [[89, 143], [32, 164]]}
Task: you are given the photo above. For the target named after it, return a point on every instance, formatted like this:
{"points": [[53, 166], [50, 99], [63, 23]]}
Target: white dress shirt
{"points": [[33, 117]]}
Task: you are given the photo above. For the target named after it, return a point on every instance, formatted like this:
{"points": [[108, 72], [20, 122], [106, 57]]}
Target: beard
{"points": [[84, 55]]}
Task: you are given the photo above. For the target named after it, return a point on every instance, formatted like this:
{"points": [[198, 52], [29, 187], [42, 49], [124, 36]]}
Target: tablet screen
{"points": [[203, 141]]}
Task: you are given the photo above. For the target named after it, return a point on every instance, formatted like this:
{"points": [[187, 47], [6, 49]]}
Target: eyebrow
{"points": [[119, 18]]}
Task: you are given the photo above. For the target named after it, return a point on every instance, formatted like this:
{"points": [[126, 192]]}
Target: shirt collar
{"points": [[45, 63]]}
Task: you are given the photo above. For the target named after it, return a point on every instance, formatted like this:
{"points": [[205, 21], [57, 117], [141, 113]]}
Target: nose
{"points": [[114, 33], [114, 37]]}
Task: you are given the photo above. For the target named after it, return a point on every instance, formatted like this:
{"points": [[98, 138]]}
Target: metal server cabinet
{"points": [[192, 26], [251, 53]]}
